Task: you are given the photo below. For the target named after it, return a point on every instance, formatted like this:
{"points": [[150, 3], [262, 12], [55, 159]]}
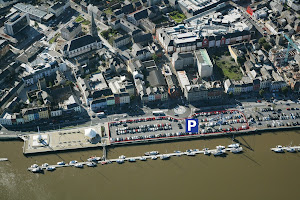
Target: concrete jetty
{"points": [[286, 148], [130, 159]]}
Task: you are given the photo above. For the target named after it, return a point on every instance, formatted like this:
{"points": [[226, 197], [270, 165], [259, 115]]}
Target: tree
{"points": [[241, 60], [155, 57], [261, 92], [261, 41], [284, 90], [267, 46]]}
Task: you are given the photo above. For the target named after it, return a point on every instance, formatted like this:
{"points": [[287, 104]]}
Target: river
{"points": [[257, 173]]}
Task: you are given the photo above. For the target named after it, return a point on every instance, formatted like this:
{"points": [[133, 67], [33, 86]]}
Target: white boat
{"points": [[196, 150], [131, 160], [291, 149], [151, 153], [34, 166], [45, 165], [190, 154], [220, 147], [143, 158], [120, 161], [72, 162], [50, 168], [218, 152], [236, 150], [122, 157], [61, 163], [177, 151], [234, 145], [78, 165], [37, 170], [92, 159], [91, 164], [164, 157], [278, 149], [206, 151], [154, 157]]}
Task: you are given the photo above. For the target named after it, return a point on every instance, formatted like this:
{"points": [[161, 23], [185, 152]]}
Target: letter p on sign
{"points": [[191, 125]]}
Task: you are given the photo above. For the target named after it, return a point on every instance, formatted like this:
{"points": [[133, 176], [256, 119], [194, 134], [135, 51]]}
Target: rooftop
{"points": [[27, 8]]}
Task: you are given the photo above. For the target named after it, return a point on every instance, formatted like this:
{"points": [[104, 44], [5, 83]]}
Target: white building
{"points": [[71, 31], [16, 23], [81, 45], [59, 7], [205, 67]]}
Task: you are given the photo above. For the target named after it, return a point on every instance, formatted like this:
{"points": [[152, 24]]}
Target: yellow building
{"points": [[43, 112]]}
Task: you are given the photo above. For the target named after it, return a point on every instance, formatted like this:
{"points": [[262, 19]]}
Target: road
{"points": [[246, 15]]}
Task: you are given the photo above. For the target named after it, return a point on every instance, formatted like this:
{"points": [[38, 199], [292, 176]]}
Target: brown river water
{"points": [[255, 174]]}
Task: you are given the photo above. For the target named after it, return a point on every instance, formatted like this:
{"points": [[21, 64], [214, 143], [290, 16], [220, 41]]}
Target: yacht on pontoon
{"points": [[78, 165], [234, 145], [91, 164], [143, 158], [61, 163], [164, 157], [50, 168], [236, 150]]}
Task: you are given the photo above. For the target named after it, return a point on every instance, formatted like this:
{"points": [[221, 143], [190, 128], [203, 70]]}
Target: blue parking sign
{"points": [[191, 125]]}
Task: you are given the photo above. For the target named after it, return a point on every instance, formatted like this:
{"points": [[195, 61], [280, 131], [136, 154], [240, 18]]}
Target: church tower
{"points": [[93, 28]]}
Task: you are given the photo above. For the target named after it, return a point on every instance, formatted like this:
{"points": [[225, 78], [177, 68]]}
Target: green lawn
{"points": [[160, 20], [228, 69], [79, 19], [108, 11], [110, 35], [177, 16], [54, 38]]}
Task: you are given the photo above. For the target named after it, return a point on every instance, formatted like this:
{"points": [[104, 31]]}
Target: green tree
{"points": [[267, 46], [261, 41], [284, 90], [50, 84], [241, 60], [261, 92], [155, 57]]}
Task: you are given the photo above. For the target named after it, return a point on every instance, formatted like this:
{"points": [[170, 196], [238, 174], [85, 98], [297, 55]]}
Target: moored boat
{"points": [[78, 165], [190, 154], [143, 158], [151, 153], [61, 163], [50, 168], [45, 165], [236, 150], [154, 157], [164, 157], [220, 147], [37, 170], [72, 162], [131, 160], [218, 152], [234, 145], [206, 151], [34, 166], [278, 149], [120, 161], [91, 164], [291, 149], [122, 157]]}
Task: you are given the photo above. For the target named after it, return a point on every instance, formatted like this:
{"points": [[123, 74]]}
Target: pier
{"points": [[165, 156]]}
